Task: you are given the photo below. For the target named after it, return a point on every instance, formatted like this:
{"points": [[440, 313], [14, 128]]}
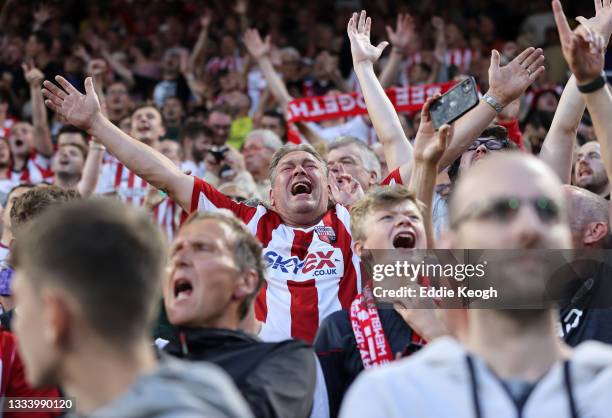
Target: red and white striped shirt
{"points": [[312, 272], [116, 178], [36, 170], [167, 214], [460, 57]]}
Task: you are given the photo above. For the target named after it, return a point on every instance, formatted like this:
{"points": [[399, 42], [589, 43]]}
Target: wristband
{"points": [[594, 85], [491, 101], [95, 145]]}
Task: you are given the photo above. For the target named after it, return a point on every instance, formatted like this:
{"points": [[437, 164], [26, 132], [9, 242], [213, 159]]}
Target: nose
{"points": [[403, 220], [482, 150], [528, 228]]}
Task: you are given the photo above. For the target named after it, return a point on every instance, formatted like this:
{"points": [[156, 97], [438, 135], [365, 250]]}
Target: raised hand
{"points": [[509, 82], [241, 6], [70, 105], [42, 14], [583, 49], [206, 19], [404, 31], [257, 47], [430, 145], [359, 35], [96, 67], [438, 23], [344, 188], [602, 21], [32, 75]]}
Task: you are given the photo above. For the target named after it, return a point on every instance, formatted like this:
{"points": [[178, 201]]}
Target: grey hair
{"points": [[368, 157], [288, 149], [270, 139]]}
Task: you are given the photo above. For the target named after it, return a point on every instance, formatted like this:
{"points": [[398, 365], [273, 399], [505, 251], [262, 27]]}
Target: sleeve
{"points": [[328, 346], [394, 178], [284, 384], [206, 198], [42, 162], [514, 132]]}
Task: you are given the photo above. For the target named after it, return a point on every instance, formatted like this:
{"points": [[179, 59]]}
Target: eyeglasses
{"points": [[491, 144], [506, 208]]}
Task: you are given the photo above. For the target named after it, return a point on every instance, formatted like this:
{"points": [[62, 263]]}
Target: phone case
{"points": [[454, 103]]}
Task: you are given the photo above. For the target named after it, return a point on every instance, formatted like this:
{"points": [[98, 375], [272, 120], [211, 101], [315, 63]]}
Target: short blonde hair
{"points": [[379, 197]]}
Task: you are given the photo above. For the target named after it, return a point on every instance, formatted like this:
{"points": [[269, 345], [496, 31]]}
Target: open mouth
{"points": [[584, 172], [301, 188], [404, 240], [18, 143], [182, 289]]}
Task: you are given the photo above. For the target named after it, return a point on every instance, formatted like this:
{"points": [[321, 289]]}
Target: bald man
{"points": [[511, 361], [589, 317]]}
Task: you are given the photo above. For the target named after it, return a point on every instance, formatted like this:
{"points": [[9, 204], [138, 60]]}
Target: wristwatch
{"points": [[493, 103], [594, 85]]}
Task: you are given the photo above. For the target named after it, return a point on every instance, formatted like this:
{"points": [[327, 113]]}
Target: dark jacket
{"points": [[339, 356], [276, 379]]}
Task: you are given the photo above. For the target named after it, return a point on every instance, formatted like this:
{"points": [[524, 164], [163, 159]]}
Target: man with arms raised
{"points": [[99, 352], [306, 237]]}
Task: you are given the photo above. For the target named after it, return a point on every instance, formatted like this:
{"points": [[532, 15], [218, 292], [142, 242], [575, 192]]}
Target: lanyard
{"points": [[476, 398]]}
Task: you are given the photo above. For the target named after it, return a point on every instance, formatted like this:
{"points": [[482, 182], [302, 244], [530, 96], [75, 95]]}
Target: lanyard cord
{"points": [[476, 400]]}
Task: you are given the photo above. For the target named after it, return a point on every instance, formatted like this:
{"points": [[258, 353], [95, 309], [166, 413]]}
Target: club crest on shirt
{"points": [[326, 234]]}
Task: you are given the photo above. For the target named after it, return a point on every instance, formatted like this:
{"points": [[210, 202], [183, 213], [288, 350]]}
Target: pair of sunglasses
{"points": [[491, 144], [506, 208]]}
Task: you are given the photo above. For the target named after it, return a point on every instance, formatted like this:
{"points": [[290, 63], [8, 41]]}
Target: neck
{"points": [[19, 162], [67, 180], [515, 344], [115, 372], [603, 191]]}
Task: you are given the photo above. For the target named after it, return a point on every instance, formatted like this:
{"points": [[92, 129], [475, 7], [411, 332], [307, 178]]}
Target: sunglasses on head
{"points": [[505, 209], [492, 144]]}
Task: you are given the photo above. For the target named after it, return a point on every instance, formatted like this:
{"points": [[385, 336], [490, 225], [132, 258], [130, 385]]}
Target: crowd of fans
{"points": [[177, 242]]}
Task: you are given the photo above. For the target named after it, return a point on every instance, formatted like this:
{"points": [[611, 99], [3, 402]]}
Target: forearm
{"points": [[41, 133], [384, 118], [310, 134], [275, 84], [390, 73], [123, 72], [143, 160], [423, 183], [198, 49], [599, 105], [91, 171], [467, 129], [558, 147]]}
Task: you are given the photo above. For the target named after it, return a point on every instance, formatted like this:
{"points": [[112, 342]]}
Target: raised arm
{"points": [[506, 84], [200, 45], [397, 149], [400, 39], [41, 134], [260, 51], [584, 50], [91, 171], [429, 146], [558, 146], [83, 111]]}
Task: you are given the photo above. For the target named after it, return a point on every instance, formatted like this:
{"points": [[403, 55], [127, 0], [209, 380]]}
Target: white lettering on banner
{"points": [[298, 109], [316, 109], [331, 104], [361, 101], [431, 90], [401, 97], [347, 103], [418, 95]]}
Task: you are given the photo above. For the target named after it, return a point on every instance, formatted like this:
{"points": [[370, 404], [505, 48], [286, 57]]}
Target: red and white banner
{"points": [[404, 99]]}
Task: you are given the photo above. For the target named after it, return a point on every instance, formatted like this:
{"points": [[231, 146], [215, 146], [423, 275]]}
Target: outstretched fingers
{"points": [[565, 32], [52, 88], [68, 88], [362, 22], [352, 25]]}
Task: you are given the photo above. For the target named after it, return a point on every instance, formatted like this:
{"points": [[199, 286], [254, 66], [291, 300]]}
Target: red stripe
{"points": [[219, 200], [348, 283], [304, 309], [266, 225], [118, 175], [301, 243], [131, 177]]}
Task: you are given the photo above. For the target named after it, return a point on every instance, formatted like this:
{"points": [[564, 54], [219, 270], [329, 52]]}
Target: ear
{"points": [[272, 196], [246, 285], [58, 318], [358, 248], [594, 232], [374, 179]]}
